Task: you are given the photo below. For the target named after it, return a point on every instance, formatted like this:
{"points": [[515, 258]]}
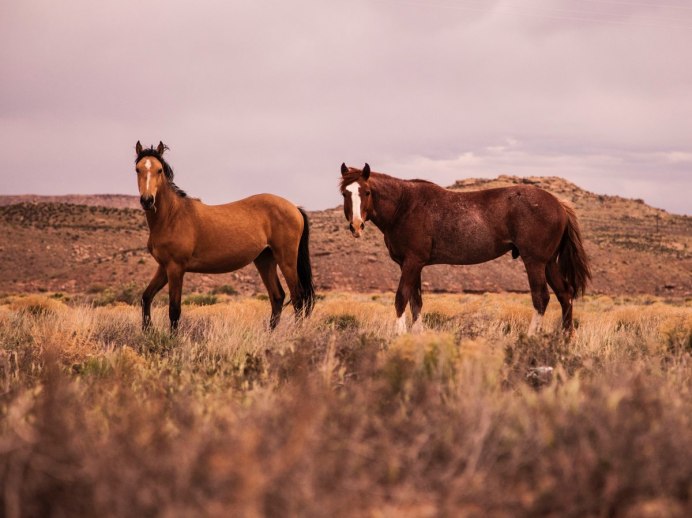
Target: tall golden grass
{"points": [[337, 416]]}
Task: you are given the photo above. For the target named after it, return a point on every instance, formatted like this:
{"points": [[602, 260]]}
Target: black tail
{"points": [[305, 303], [572, 259]]}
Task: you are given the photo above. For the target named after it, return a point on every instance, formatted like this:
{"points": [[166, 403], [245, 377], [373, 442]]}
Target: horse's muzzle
{"points": [[356, 230], [147, 202]]}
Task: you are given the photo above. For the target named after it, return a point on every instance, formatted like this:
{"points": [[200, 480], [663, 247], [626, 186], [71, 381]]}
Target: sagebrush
{"points": [[337, 416]]}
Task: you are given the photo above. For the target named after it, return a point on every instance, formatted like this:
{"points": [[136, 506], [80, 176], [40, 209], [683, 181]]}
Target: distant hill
{"points": [[81, 243], [118, 201]]}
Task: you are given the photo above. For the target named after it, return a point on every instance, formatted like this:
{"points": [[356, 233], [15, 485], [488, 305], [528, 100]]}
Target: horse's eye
{"points": [[160, 171], [367, 193]]}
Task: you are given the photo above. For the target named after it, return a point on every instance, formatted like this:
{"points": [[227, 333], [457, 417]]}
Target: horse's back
{"points": [[258, 208], [513, 193], [503, 198]]}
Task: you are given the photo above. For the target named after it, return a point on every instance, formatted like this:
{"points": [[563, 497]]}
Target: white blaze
{"points": [[355, 200], [147, 164]]}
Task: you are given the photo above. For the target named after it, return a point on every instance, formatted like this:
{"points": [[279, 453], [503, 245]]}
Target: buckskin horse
{"points": [[424, 224], [185, 235]]}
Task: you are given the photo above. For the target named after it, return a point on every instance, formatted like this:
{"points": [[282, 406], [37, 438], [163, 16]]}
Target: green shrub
{"points": [[437, 320], [341, 322], [224, 289], [129, 294], [200, 299], [95, 367]]}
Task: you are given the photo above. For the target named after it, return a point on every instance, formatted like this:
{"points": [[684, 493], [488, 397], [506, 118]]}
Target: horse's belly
{"points": [[214, 260], [216, 267], [468, 252], [221, 265]]}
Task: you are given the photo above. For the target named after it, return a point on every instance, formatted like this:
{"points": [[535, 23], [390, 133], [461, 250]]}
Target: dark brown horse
{"points": [[185, 235], [425, 224]]}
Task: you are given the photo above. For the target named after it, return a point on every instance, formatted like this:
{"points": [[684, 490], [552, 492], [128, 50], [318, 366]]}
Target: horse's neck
{"points": [[167, 204], [389, 193]]}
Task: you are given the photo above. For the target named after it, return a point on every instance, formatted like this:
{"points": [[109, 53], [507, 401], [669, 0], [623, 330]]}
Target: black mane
{"points": [[167, 169]]}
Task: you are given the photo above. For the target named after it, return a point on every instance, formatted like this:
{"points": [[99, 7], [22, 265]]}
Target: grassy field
{"points": [[338, 417]]}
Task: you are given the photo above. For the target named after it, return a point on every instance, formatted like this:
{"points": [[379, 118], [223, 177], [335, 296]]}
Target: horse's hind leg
{"points": [[416, 306], [157, 282], [288, 263], [539, 292], [266, 266], [563, 293]]}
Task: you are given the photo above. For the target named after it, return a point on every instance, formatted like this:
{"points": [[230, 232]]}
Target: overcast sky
{"points": [[271, 96]]}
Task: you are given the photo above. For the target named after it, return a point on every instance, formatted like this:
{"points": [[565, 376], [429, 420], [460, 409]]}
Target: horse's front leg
{"points": [[175, 274], [157, 282], [539, 292], [410, 275]]}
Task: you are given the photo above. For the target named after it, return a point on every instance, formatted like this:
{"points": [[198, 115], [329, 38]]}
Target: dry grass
{"points": [[338, 417]]}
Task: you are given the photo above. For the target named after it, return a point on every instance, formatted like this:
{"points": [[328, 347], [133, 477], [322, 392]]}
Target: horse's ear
{"points": [[138, 147], [161, 148], [366, 171], [344, 169]]}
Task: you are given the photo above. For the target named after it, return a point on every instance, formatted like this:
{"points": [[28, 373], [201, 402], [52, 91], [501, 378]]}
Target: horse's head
{"points": [[150, 168], [355, 189]]}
